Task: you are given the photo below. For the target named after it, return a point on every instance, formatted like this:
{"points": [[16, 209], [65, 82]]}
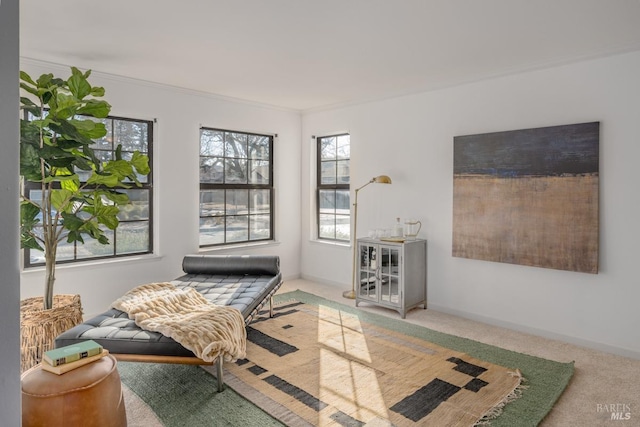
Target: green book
{"points": [[71, 353]]}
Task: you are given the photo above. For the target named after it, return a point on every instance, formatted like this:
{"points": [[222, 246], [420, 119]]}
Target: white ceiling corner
{"points": [[308, 55]]}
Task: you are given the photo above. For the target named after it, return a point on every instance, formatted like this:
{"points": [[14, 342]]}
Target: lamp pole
{"points": [[382, 179]]}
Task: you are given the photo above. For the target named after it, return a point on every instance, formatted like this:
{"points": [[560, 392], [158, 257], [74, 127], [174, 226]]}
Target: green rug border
{"points": [[545, 379]]}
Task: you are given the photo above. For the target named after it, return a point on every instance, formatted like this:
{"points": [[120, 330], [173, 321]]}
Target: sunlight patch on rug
{"points": [[331, 368]]}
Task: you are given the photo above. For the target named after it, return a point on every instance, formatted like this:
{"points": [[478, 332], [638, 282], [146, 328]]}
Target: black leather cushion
{"points": [[231, 264], [119, 334], [116, 332], [241, 292]]}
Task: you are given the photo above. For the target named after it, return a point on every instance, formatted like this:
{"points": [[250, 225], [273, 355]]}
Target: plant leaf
{"points": [[78, 85], [26, 77], [95, 108], [61, 199], [89, 128], [116, 197], [74, 236], [141, 163], [106, 180], [119, 168], [66, 105], [71, 221], [27, 241], [29, 213], [30, 89]]}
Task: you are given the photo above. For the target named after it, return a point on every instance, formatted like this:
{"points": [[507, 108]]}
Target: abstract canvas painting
{"points": [[528, 197]]}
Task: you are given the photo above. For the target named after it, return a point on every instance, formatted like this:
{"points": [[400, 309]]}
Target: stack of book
{"points": [[65, 359]]}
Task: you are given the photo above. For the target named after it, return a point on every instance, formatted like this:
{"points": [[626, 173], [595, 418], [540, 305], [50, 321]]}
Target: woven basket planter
{"points": [[39, 327]]}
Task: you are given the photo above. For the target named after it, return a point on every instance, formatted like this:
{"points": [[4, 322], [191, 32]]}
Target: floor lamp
{"points": [[382, 179]]}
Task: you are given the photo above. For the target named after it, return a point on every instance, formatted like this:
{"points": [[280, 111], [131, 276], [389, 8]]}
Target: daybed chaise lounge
{"points": [[246, 282]]}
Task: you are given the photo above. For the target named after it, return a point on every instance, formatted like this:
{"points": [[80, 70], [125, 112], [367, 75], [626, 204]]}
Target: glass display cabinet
{"points": [[392, 274]]}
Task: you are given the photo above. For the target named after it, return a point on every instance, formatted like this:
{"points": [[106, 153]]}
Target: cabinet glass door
{"points": [[368, 259], [390, 275]]}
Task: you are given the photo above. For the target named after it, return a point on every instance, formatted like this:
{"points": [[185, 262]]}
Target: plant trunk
{"points": [[50, 277]]}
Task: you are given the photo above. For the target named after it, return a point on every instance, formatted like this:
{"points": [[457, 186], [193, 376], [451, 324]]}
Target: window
{"points": [[236, 187], [134, 235], [334, 210]]}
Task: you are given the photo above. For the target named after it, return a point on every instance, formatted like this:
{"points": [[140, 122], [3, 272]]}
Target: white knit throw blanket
{"points": [[186, 316]]}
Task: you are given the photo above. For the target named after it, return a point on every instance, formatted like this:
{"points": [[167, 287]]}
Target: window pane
{"points": [[260, 227], [211, 169], [260, 201], [132, 135], [327, 201], [343, 149], [212, 203], [343, 205], [235, 171], [211, 143], [327, 228], [235, 145], [343, 171], [328, 148], [36, 197], [138, 207], [238, 228], [132, 237], [65, 251], [343, 227], [237, 202], [211, 231], [259, 147], [36, 256], [104, 156], [259, 172], [92, 248], [328, 173]]}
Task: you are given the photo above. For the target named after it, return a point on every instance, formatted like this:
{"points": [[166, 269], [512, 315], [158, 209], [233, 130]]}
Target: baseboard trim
{"points": [[324, 281], [594, 345]]}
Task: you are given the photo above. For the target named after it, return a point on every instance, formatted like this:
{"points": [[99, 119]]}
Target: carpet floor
{"points": [[182, 395]]}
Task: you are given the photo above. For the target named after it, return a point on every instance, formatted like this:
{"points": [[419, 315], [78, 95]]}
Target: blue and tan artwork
{"points": [[528, 197]]}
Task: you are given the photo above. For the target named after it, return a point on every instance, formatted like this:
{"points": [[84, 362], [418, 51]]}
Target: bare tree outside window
{"points": [[333, 198], [133, 236], [236, 187]]}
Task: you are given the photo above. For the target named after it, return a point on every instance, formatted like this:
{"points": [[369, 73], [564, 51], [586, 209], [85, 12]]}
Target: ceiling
{"points": [[307, 55]]}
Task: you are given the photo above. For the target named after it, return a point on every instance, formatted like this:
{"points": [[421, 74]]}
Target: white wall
{"points": [[10, 277], [411, 139], [179, 116]]}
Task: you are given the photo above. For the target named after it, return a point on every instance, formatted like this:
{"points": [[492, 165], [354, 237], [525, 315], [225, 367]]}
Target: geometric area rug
{"points": [[330, 367], [320, 362]]}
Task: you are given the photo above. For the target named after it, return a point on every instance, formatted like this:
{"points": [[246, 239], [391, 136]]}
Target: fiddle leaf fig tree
{"points": [[61, 120]]}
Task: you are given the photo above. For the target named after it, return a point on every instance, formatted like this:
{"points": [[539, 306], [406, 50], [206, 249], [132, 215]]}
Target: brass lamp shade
{"points": [[380, 179]]}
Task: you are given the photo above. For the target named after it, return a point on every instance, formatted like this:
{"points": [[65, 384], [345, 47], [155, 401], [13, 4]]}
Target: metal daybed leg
{"points": [[220, 374], [271, 306]]}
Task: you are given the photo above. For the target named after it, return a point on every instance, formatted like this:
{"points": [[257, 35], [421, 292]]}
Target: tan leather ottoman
{"points": [[87, 396]]}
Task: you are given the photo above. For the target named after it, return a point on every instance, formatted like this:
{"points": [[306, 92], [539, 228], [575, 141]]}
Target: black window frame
{"points": [[320, 186], [227, 186], [147, 185]]}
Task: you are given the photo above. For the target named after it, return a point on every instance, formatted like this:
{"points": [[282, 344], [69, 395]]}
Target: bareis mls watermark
{"points": [[616, 411]]}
